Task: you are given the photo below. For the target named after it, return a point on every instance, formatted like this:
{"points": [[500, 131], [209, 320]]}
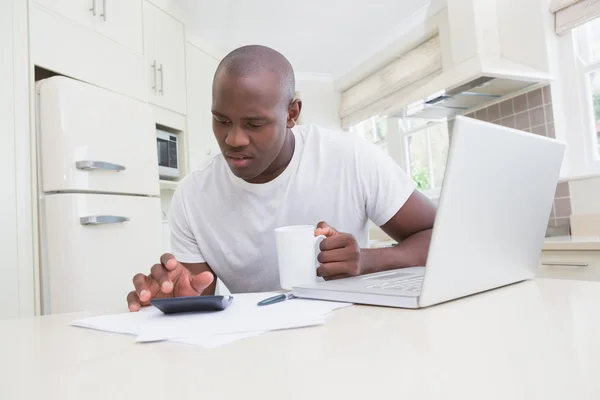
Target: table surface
{"points": [[534, 340]]}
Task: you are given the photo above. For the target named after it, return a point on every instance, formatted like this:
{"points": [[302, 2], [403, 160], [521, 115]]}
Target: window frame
{"points": [[401, 154], [584, 70], [432, 193]]}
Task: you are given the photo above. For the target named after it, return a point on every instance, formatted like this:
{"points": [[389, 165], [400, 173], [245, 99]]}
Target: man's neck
{"points": [[281, 162]]}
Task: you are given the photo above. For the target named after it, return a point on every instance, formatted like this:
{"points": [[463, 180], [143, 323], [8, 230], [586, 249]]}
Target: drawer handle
{"points": [[87, 165], [102, 219], [566, 264]]}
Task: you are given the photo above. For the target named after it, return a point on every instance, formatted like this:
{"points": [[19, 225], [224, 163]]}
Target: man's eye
{"points": [[222, 121], [254, 125]]}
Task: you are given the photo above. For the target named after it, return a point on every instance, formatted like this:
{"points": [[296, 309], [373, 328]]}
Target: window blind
{"points": [[569, 14], [386, 87]]}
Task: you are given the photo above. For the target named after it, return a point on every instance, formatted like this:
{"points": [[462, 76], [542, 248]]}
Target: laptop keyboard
{"points": [[402, 284]]}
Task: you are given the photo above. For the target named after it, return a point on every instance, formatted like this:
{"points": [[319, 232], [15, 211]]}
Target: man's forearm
{"points": [[411, 252]]}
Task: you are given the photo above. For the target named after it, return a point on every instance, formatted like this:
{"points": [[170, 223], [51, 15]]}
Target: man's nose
{"points": [[236, 137]]}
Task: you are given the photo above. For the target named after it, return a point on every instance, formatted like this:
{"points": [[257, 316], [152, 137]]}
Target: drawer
{"points": [[570, 264]]}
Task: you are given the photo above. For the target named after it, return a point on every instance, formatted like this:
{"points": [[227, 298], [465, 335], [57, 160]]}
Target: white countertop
{"points": [[533, 340], [572, 243]]}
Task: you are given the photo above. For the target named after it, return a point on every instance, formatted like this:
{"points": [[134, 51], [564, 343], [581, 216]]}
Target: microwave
{"points": [[167, 147]]}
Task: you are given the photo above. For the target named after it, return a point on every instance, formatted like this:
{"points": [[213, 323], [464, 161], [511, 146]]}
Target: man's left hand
{"points": [[340, 253]]}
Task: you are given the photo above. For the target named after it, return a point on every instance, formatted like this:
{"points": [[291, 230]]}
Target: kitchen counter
{"points": [[572, 243], [532, 340]]}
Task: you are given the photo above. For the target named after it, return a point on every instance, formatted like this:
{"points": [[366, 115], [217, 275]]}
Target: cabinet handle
{"points": [[565, 264], [162, 81], [153, 66], [103, 15], [93, 9], [102, 219], [87, 165]]}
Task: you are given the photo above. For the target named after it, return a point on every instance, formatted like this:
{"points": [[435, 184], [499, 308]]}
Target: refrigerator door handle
{"points": [[89, 165], [102, 219]]}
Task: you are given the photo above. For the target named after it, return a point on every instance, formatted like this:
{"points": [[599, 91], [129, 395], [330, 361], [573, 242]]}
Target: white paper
{"points": [[129, 322], [243, 315], [242, 319]]}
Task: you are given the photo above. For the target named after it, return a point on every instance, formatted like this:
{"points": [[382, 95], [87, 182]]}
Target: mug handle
{"points": [[318, 240]]}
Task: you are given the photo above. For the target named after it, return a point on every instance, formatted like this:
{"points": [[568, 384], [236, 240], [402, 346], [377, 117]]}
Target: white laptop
{"points": [[492, 216]]}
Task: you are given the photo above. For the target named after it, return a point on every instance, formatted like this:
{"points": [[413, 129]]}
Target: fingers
{"points": [[201, 281], [169, 261], [145, 287], [330, 256], [338, 241], [160, 274], [333, 269], [133, 301], [324, 229]]}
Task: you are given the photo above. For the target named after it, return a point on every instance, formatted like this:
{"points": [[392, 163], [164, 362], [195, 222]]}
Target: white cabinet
{"points": [[201, 142], [570, 264], [164, 51], [74, 47], [118, 20]]}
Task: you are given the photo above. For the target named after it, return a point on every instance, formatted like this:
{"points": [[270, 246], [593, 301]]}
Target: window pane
{"points": [[595, 86], [588, 36], [439, 143], [418, 155]]}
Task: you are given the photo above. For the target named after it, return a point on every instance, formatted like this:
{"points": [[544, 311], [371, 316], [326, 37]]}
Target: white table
{"points": [[533, 340]]}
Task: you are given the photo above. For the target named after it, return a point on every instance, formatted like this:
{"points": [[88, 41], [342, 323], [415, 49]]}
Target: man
{"points": [[274, 173]]}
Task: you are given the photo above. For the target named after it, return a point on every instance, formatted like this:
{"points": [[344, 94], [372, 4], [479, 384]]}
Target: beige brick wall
{"points": [[532, 112]]}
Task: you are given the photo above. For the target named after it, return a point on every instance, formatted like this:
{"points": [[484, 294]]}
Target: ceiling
{"points": [[317, 36]]}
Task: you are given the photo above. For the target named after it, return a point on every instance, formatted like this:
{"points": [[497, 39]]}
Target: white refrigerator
{"points": [[99, 196]]}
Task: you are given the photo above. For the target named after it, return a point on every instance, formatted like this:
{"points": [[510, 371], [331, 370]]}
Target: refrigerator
{"points": [[100, 218]]}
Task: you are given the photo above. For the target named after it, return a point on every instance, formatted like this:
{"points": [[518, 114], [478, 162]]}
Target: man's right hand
{"points": [[167, 279]]}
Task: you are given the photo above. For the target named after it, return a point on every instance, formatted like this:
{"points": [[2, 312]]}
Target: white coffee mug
{"points": [[297, 250]]}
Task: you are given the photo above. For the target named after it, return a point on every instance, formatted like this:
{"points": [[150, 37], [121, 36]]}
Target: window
{"points": [[421, 147], [426, 152], [373, 129], [588, 52]]}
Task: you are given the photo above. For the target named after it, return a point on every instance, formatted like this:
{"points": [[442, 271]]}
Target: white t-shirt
{"points": [[336, 177]]}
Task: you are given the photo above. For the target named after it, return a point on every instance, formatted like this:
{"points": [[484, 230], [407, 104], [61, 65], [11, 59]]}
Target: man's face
{"points": [[250, 119]]}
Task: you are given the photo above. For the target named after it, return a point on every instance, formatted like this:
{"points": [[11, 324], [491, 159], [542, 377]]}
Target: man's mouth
{"points": [[239, 160]]}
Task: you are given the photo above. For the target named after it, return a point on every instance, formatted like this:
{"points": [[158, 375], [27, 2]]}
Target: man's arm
{"points": [[197, 269], [411, 227]]}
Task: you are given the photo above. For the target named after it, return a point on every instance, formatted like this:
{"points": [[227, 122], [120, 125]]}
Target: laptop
{"points": [[492, 216]]}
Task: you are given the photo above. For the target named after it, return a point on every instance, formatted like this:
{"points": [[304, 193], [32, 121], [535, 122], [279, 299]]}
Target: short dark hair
{"points": [[251, 59]]}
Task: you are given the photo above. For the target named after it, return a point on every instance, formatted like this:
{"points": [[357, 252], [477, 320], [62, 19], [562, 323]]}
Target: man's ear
{"points": [[294, 112]]}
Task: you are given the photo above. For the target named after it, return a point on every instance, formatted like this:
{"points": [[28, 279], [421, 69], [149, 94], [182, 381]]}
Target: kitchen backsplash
{"points": [[532, 112]]}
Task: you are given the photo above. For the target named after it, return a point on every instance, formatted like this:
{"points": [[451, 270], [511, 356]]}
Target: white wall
{"points": [[320, 103], [16, 225]]}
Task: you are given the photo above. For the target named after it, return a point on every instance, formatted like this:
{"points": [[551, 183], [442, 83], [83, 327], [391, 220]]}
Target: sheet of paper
{"points": [[288, 314], [129, 322], [242, 316]]}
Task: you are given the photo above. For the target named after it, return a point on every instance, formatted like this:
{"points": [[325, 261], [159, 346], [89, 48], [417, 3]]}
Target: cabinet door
{"points": [[200, 71], [121, 21], [149, 13], [83, 12], [169, 51]]}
